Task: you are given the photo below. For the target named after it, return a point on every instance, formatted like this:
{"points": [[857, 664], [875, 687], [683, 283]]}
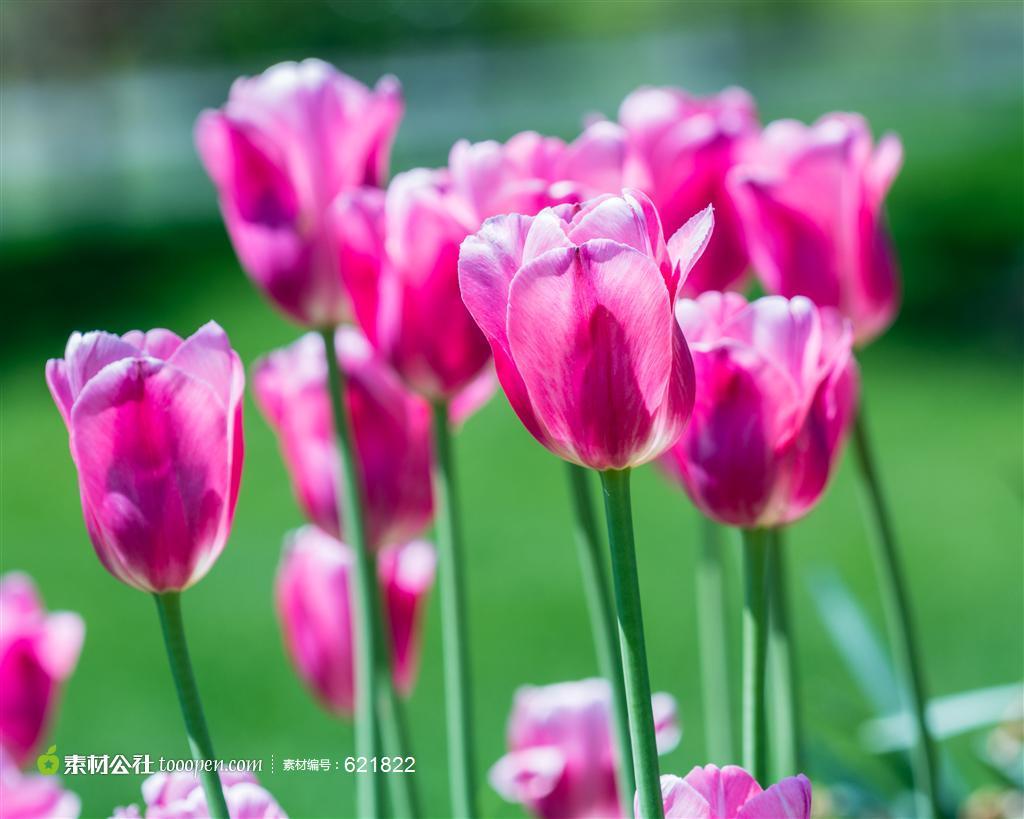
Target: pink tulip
{"points": [[577, 306], [312, 592], [156, 433], [31, 796], [290, 145], [561, 759], [180, 796], [776, 393], [38, 651], [681, 149], [390, 427], [731, 793], [812, 198]]}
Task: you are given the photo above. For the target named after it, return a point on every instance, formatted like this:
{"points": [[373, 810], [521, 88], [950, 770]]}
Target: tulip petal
{"points": [[680, 800], [689, 242], [406, 575], [788, 799], [61, 643], [529, 775], [667, 731], [725, 789], [207, 356]]}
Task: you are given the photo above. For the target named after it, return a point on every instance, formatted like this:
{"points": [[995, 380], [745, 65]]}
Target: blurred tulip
{"points": [[285, 149], [776, 394], [577, 305], [180, 796], [312, 593], [681, 150], [155, 425], [390, 427], [731, 793], [561, 760], [31, 796], [812, 201], [38, 651]]}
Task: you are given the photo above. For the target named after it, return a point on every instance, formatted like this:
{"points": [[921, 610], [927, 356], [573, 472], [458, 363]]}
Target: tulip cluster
{"points": [[598, 280]]}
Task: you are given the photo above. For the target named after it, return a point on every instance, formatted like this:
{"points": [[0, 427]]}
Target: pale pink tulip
{"points": [[32, 796], [681, 150], [155, 425], [313, 604], [577, 306], [390, 429], [812, 199], [561, 760], [38, 651], [285, 150], [776, 393], [731, 793], [180, 796]]}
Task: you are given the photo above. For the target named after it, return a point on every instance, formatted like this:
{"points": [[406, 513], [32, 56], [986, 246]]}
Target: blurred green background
{"points": [[108, 222]]}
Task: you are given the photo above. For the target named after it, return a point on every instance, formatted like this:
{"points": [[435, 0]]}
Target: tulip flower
{"points": [[312, 592], [576, 304], [561, 760], [289, 146], [32, 796], [681, 150], [38, 652], [155, 425], [178, 796], [390, 426], [732, 793], [812, 199]]}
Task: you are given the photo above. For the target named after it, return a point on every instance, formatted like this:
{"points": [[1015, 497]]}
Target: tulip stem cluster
{"points": [[366, 624], [619, 514], [712, 619], [458, 696], [168, 606], [901, 629], [602, 622], [756, 558], [786, 731]]}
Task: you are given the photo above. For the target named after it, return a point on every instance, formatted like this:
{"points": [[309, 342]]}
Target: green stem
{"points": [[364, 597], [619, 514], [401, 787], [786, 731], [755, 649], [602, 623], [168, 605], [712, 623], [458, 697], [923, 757]]}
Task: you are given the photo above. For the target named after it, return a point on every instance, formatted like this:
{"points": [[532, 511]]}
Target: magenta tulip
{"points": [[180, 796], [561, 759], [577, 306], [776, 394], [286, 149], [155, 425], [812, 198], [38, 652], [31, 796], [312, 593], [731, 793], [390, 427], [681, 150]]}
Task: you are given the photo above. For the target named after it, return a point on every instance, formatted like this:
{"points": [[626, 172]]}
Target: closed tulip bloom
{"points": [[281, 152], [681, 150], [812, 197], [776, 394], [561, 760], [38, 652], [180, 796], [390, 428], [32, 796], [313, 603], [577, 306], [155, 427], [731, 793]]}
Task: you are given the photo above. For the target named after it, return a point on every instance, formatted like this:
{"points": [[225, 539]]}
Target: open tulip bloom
{"points": [[732, 793], [576, 304], [178, 796], [155, 426]]}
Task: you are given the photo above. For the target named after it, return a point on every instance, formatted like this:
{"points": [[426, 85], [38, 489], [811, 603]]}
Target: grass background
{"points": [[943, 388]]}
